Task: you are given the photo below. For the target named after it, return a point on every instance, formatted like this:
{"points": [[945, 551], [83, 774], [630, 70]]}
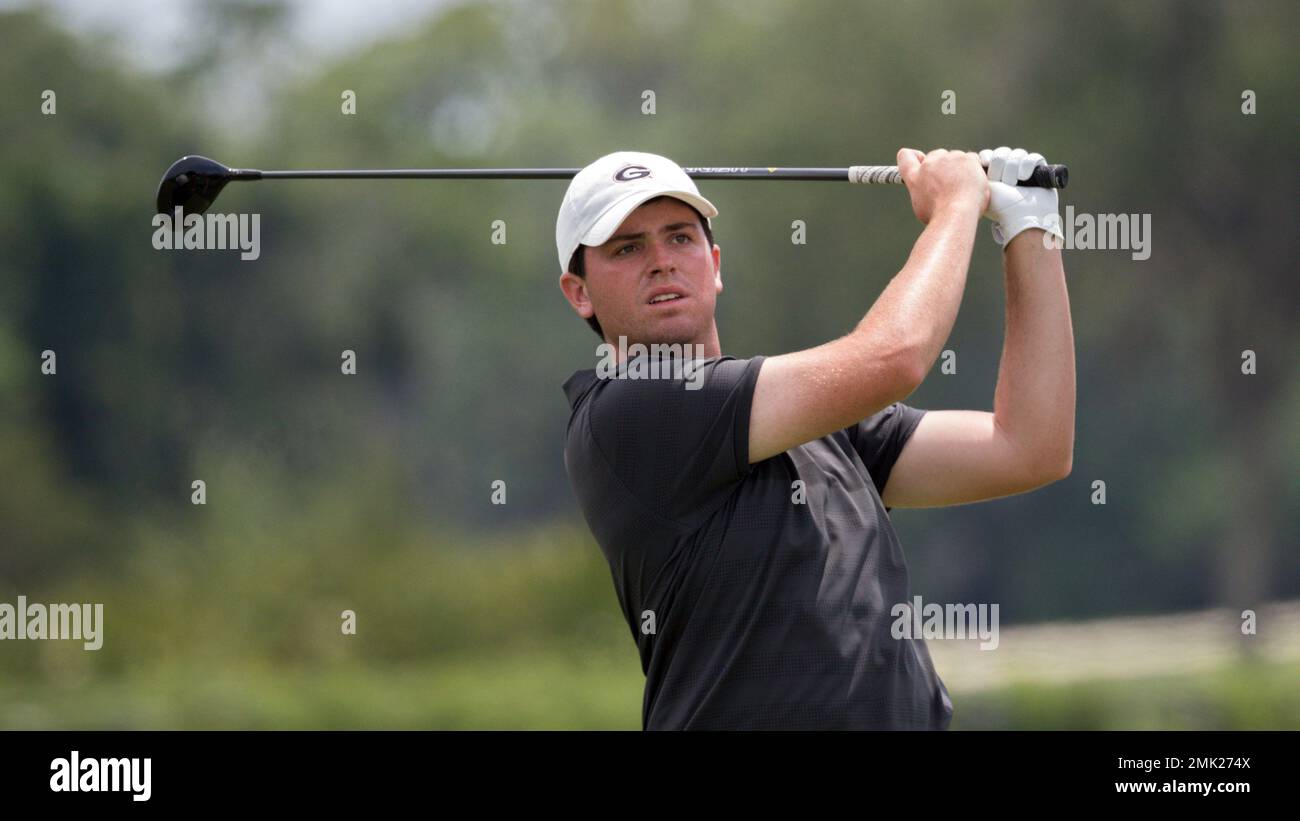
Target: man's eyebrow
{"points": [[676, 226]]}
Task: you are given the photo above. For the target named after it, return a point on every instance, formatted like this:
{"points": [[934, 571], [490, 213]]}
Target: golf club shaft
{"points": [[1050, 176], [193, 182]]}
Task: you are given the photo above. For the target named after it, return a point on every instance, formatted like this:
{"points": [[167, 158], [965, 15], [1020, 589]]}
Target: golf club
{"points": [[193, 182]]}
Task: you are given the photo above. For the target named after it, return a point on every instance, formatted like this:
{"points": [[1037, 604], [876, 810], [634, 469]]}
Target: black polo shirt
{"points": [[758, 595]]}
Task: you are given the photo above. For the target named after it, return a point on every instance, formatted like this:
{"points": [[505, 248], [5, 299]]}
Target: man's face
{"points": [[660, 248]]}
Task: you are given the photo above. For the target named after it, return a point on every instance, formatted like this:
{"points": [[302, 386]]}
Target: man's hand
{"points": [[943, 179], [1014, 209]]}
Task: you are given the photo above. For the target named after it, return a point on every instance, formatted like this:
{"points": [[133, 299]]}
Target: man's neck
{"points": [[625, 348]]}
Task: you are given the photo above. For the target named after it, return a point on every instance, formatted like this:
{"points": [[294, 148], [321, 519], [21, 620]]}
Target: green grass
{"points": [[213, 630], [1244, 697], [600, 690], [518, 691]]}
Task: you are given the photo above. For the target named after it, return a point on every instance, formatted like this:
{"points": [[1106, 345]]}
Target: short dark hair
{"points": [[579, 270]]}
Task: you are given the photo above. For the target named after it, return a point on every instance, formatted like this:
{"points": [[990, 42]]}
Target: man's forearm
{"points": [[919, 306], [1035, 396]]}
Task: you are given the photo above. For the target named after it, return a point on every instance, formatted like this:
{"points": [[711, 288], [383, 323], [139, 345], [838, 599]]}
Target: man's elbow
{"points": [[909, 371], [1063, 467], [905, 383], [1053, 467], [902, 360]]}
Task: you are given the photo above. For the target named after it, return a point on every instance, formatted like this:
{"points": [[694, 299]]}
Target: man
{"points": [[744, 512]]}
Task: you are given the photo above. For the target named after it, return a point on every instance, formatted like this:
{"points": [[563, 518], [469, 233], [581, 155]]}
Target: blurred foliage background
{"points": [[372, 492]]}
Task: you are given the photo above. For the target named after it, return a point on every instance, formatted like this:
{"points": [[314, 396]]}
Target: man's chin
{"points": [[669, 336]]}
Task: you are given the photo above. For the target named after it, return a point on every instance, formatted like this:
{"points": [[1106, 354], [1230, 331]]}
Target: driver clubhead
{"points": [[193, 183]]}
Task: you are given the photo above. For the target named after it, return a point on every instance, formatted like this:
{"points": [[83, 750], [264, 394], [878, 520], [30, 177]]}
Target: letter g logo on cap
{"points": [[631, 172]]}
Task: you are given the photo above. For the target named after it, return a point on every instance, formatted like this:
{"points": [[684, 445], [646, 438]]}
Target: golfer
{"points": [[744, 508]]}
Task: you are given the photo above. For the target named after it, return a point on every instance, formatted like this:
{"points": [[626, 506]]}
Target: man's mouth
{"points": [[669, 297]]}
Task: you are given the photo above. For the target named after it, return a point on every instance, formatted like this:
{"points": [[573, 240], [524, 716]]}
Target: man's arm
{"points": [[955, 457], [805, 395]]}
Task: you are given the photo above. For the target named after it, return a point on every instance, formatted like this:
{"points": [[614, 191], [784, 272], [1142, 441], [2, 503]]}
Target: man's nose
{"points": [[661, 257]]}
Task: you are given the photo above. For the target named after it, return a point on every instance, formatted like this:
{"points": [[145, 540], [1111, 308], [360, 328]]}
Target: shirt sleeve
{"points": [[879, 439], [678, 443]]}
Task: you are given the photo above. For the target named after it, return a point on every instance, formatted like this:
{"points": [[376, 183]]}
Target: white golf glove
{"points": [[1014, 209]]}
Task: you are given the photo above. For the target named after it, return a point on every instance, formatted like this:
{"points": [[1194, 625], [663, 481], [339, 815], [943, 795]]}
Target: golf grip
{"points": [[1044, 176]]}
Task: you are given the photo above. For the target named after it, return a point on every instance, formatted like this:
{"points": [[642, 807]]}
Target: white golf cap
{"points": [[602, 195]]}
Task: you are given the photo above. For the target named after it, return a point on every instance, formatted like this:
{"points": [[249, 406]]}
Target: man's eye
{"points": [[688, 237], [620, 251]]}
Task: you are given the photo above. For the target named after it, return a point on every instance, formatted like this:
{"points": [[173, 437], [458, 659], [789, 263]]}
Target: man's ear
{"points": [[717, 267], [575, 290]]}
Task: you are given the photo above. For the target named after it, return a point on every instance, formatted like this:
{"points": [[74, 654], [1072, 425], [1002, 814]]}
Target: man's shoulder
{"points": [[577, 386], [662, 422]]}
